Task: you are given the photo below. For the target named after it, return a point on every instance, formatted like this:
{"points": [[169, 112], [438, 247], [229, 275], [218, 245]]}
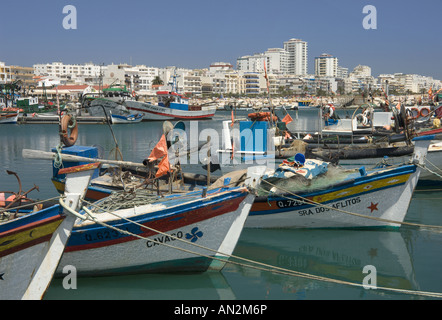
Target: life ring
{"points": [[362, 119], [329, 109], [414, 113], [261, 116], [69, 122], [424, 112], [133, 93]]}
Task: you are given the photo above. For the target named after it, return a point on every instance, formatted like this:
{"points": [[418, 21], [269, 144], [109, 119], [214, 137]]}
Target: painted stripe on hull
{"points": [[23, 237], [170, 116], [84, 238], [262, 207]]}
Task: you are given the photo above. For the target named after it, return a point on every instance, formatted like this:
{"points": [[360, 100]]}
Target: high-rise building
{"points": [[277, 60], [297, 56], [326, 66]]}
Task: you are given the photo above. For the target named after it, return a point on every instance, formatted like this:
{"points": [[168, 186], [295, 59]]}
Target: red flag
{"points": [[163, 167], [287, 119], [160, 149]]}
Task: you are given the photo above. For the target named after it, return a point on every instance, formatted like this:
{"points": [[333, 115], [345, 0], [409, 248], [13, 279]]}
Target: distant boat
{"points": [[132, 118], [8, 117], [113, 101], [171, 105]]}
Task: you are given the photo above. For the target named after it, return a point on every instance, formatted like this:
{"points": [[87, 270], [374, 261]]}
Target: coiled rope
{"points": [[254, 264]]}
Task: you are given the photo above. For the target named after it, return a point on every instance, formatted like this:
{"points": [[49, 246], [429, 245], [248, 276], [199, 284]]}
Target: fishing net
{"points": [[300, 184]]}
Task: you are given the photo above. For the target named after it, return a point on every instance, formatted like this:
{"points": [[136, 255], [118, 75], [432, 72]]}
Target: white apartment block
{"points": [[254, 63], [5, 73], [87, 72], [326, 66], [297, 56], [342, 72], [361, 71], [277, 61]]}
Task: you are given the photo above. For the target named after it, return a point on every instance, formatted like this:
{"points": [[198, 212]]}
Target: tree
{"points": [[157, 81]]}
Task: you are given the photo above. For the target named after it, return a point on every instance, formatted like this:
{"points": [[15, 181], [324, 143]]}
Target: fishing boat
{"points": [[8, 118], [31, 245], [431, 176], [193, 232], [131, 118], [338, 198], [113, 101], [171, 105]]}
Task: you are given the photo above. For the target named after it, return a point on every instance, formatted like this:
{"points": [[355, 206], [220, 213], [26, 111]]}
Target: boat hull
{"points": [[23, 244], [119, 119], [385, 195], [157, 112], [214, 222], [8, 118], [433, 162]]}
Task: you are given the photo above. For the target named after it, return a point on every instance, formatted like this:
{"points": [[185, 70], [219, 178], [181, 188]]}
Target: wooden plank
{"points": [[83, 167]]}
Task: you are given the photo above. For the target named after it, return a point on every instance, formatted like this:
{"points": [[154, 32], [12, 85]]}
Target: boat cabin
{"points": [[172, 100]]}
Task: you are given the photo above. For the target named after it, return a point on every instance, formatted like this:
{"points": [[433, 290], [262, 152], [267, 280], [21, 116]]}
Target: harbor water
{"points": [[407, 258]]}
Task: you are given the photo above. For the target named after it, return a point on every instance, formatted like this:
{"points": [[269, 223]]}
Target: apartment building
{"points": [[5, 73], [326, 65], [297, 56], [277, 61]]}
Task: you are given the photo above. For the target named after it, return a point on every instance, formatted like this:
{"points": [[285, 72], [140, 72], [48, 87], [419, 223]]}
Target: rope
{"points": [[429, 170], [58, 161], [308, 201], [258, 265]]}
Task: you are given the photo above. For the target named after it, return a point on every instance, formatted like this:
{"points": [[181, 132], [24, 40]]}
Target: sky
{"points": [[196, 33]]}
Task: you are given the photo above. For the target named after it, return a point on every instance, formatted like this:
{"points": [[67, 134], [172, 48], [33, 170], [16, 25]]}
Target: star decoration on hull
{"points": [[373, 207]]}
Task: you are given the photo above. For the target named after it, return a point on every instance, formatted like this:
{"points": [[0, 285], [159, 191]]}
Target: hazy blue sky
{"points": [[195, 33]]}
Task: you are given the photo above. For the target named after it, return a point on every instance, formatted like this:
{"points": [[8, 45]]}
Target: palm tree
{"points": [[157, 81]]}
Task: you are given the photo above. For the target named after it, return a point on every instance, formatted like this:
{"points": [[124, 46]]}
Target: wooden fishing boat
{"points": [[186, 233], [356, 198], [31, 245], [193, 231]]}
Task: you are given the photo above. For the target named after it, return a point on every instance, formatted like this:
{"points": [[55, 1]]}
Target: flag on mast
{"points": [[159, 151]]}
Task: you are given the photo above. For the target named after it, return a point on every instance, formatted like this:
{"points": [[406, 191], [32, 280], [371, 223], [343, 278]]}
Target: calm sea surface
{"points": [[408, 258]]}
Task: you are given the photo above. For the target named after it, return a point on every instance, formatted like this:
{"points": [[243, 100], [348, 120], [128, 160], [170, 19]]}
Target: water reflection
{"points": [[336, 254], [201, 286]]}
